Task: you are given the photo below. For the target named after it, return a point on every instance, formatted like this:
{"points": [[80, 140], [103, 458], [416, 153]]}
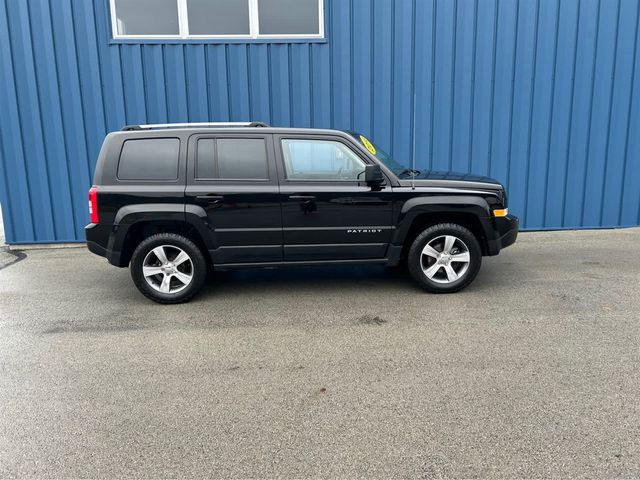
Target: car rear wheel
{"points": [[444, 258], [168, 268]]}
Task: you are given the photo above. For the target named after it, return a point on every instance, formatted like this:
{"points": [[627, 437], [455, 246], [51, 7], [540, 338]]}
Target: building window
{"points": [[289, 17], [217, 19]]}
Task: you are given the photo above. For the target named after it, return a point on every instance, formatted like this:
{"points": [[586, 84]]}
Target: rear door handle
{"points": [[302, 197], [210, 198]]}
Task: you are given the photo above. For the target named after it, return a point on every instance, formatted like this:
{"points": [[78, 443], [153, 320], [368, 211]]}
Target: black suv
{"points": [[172, 201]]}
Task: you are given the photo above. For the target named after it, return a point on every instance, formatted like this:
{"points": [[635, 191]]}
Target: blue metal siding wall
{"points": [[542, 94]]}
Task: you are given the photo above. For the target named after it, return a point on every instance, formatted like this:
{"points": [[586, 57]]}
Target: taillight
{"points": [[93, 204]]}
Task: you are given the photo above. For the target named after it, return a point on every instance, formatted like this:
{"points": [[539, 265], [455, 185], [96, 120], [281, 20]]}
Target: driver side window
{"points": [[320, 160]]}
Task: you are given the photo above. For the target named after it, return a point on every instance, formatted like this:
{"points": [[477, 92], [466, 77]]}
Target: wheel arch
{"points": [[137, 232], [135, 224], [469, 212]]}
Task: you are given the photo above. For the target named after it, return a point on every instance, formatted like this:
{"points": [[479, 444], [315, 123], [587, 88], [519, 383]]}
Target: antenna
{"points": [[413, 148]]}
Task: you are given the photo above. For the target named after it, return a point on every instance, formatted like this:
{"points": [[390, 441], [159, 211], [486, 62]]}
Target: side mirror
{"points": [[373, 175]]}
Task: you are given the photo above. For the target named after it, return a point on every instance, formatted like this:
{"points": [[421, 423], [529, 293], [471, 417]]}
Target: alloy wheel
{"points": [[167, 269], [445, 259]]}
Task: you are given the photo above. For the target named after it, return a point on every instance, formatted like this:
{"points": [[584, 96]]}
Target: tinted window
{"points": [[147, 17], [205, 163], [286, 17], [218, 17], [149, 159], [232, 159], [320, 160]]}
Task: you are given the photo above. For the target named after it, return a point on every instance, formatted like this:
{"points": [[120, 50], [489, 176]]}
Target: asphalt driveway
{"points": [[533, 371]]}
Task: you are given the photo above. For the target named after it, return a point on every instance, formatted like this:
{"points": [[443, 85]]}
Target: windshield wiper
{"points": [[409, 171]]}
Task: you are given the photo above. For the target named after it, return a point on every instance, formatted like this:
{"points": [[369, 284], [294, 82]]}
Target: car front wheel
{"points": [[168, 268], [444, 258]]}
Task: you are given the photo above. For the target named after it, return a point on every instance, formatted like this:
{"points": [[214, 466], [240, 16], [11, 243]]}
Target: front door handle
{"points": [[210, 198], [302, 197]]}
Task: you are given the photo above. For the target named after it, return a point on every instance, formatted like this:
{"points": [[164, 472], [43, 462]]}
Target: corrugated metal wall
{"points": [[542, 94]]}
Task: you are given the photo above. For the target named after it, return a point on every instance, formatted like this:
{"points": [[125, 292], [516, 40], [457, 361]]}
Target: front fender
{"points": [[441, 204]]}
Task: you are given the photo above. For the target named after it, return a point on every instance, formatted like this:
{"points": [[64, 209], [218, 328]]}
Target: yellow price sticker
{"points": [[369, 146]]}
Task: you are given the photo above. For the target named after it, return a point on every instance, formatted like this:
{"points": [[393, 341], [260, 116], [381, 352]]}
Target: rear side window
{"points": [[149, 159], [232, 159]]}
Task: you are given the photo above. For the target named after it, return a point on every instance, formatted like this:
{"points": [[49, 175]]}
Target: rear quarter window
{"points": [[149, 159]]}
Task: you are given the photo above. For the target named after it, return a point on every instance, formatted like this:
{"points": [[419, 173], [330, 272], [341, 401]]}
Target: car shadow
{"points": [[321, 278], [363, 295], [335, 279]]}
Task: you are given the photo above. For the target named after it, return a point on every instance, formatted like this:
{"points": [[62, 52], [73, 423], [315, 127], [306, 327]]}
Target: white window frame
{"points": [[183, 22]]}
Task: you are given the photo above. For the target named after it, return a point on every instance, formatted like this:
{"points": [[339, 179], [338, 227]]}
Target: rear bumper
{"points": [[97, 249], [506, 229], [98, 237]]}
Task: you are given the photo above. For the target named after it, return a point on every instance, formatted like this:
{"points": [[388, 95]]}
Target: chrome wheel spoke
{"points": [[463, 257], [451, 273], [431, 271], [430, 251], [160, 253], [150, 271], [181, 258], [448, 243], [183, 277], [165, 286]]}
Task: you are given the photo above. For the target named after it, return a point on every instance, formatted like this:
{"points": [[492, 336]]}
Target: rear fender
{"points": [[131, 215]]}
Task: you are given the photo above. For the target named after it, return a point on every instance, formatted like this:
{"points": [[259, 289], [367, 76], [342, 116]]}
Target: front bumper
{"points": [[506, 229]]}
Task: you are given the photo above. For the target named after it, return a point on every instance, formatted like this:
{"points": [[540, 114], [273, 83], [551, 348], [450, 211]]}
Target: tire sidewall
{"points": [[415, 252], [197, 259]]}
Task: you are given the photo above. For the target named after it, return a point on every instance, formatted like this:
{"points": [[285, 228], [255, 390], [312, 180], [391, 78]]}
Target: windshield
{"points": [[399, 169]]}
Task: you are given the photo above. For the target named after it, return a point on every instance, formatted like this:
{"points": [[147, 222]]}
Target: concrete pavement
{"points": [[331, 372]]}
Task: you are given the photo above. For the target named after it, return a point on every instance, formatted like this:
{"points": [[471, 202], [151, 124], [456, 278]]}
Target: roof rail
{"points": [[193, 125]]}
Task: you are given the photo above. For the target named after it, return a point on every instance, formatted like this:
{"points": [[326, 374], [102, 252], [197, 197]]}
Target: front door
{"points": [[328, 212], [233, 178]]}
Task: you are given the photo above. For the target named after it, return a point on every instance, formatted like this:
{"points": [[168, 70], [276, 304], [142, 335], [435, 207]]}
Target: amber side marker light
{"points": [[501, 213]]}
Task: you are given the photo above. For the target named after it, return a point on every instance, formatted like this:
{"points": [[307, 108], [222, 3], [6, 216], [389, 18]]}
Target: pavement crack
{"points": [[371, 320]]}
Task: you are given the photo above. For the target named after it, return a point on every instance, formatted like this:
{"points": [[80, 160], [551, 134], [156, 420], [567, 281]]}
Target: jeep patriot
{"points": [[173, 201]]}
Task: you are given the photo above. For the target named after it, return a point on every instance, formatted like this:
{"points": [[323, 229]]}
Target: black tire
{"points": [[415, 259], [197, 268]]}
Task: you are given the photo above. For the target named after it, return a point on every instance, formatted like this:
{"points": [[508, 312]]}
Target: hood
{"points": [[452, 179], [454, 176]]}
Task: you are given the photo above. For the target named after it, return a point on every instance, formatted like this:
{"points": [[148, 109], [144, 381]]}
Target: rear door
{"points": [[328, 211], [233, 178]]}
